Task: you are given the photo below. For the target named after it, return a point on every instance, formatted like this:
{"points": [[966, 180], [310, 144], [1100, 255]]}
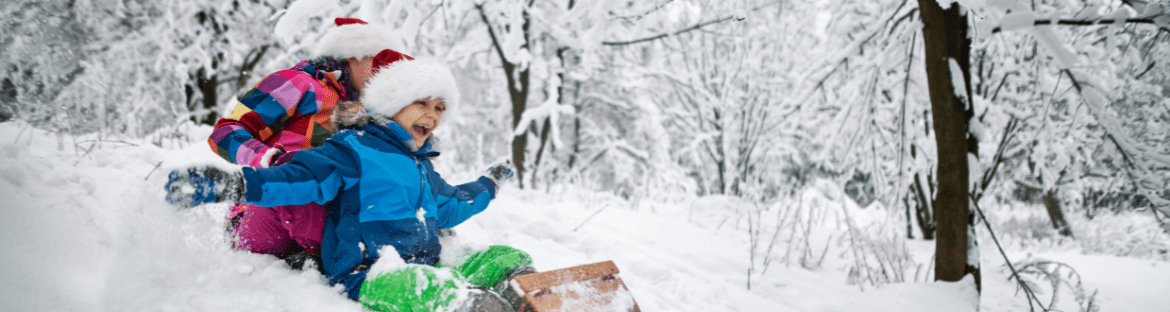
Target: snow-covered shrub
{"points": [[1026, 227], [719, 211], [860, 189], [1061, 279], [880, 256], [1125, 234]]}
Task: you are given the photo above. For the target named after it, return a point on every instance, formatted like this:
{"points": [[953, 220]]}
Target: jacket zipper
{"points": [[421, 192]]}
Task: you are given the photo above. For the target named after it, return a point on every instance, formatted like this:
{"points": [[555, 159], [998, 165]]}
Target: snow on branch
{"points": [[1137, 158], [817, 75], [820, 73], [296, 17], [958, 82], [604, 99], [551, 108], [1026, 20], [642, 157]]}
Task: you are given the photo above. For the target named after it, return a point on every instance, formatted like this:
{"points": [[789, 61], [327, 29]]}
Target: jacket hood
{"points": [[395, 135], [353, 115]]}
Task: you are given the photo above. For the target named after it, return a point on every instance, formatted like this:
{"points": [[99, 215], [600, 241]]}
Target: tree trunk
{"points": [[909, 220], [576, 138], [207, 86], [720, 157], [250, 63], [547, 127], [544, 130], [519, 142], [519, 93], [945, 37], [1056, 214], [924, 214]]}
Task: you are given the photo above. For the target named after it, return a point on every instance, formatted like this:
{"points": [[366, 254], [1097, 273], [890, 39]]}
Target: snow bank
{"points": [[90, 231], [94, 234]]}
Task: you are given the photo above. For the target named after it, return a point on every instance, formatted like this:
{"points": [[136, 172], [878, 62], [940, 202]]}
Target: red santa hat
{"points": [[400, 80], [357, 39]]}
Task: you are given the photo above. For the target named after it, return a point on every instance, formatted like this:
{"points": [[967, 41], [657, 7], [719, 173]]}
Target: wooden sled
{"points": [[590, 287]]}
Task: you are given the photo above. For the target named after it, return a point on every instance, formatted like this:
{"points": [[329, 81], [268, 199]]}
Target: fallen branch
{"points": [[590, 217], [152, 171], [1028, 293]]}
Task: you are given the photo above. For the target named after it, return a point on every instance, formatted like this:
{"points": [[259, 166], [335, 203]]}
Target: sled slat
{"points": [[586, 287], [558, 277]]}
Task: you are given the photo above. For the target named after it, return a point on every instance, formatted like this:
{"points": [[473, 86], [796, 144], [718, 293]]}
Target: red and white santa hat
{"points": [[357, 39], [400, 80]]}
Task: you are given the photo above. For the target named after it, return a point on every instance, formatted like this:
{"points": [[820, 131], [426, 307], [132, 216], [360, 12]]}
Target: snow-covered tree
{"points": [[130, 67], [1037, 109], [722, 95], [1084, 94]]}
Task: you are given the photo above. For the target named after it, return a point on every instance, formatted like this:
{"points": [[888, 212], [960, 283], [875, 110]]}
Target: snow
{"points": [[90, 231], [296, 17], [591, 298], [683, 12], [1120, 15], [958, 83], [974, 171], [1017, 20], [1060, 51], [550, 109], [1090, 12]]}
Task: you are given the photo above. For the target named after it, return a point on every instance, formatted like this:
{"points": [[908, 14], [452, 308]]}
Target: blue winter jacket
{"points": [[380, 182]]}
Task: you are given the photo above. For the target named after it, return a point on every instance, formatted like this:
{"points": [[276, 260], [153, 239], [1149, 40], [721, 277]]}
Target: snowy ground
{"points": [[90, 231]]}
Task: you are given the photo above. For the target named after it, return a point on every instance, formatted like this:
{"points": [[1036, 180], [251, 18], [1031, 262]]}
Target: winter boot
{"points": [[484, 300], [505, 290]]}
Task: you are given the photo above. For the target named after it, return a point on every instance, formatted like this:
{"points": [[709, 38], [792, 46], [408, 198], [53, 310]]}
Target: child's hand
{"points": [[500, 173], [203, 185]]}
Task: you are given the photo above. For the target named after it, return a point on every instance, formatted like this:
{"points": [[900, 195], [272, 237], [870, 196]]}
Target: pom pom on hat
{"points": [[400, 80], [355, 38]]}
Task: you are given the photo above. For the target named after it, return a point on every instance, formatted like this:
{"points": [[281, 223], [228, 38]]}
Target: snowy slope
{"points": [[90, 231]]}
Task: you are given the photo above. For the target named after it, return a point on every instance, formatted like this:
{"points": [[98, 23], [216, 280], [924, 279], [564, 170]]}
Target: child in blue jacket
{"points": [[384, 194]]}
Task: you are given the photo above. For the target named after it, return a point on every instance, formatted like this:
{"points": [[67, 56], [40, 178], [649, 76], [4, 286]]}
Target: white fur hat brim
{"points": [[357, 41], [397, 85]]}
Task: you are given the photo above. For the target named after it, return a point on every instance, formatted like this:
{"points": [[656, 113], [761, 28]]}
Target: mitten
{"points": [[201, 185], [268, 158], [500, 173]]}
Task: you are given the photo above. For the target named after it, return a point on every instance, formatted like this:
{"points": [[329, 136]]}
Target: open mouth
{"points": [[421, 131]]}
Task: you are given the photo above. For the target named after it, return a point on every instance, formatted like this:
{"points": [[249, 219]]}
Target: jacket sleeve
{"points": [[263, 111], [458, 203], [314, 175]]}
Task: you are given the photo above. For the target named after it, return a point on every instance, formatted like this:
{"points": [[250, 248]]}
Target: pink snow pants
{"points": [[279, 231]]}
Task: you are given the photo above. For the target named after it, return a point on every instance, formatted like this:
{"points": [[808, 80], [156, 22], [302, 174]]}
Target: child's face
{"points": [[421, 118], [360, 71]]}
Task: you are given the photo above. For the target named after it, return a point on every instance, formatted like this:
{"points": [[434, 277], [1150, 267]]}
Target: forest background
{"points": [[926, 110]]}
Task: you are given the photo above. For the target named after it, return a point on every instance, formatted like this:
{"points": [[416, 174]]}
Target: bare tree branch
{"points": [[684, 30], [1028, 293], [1091, 22]]}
